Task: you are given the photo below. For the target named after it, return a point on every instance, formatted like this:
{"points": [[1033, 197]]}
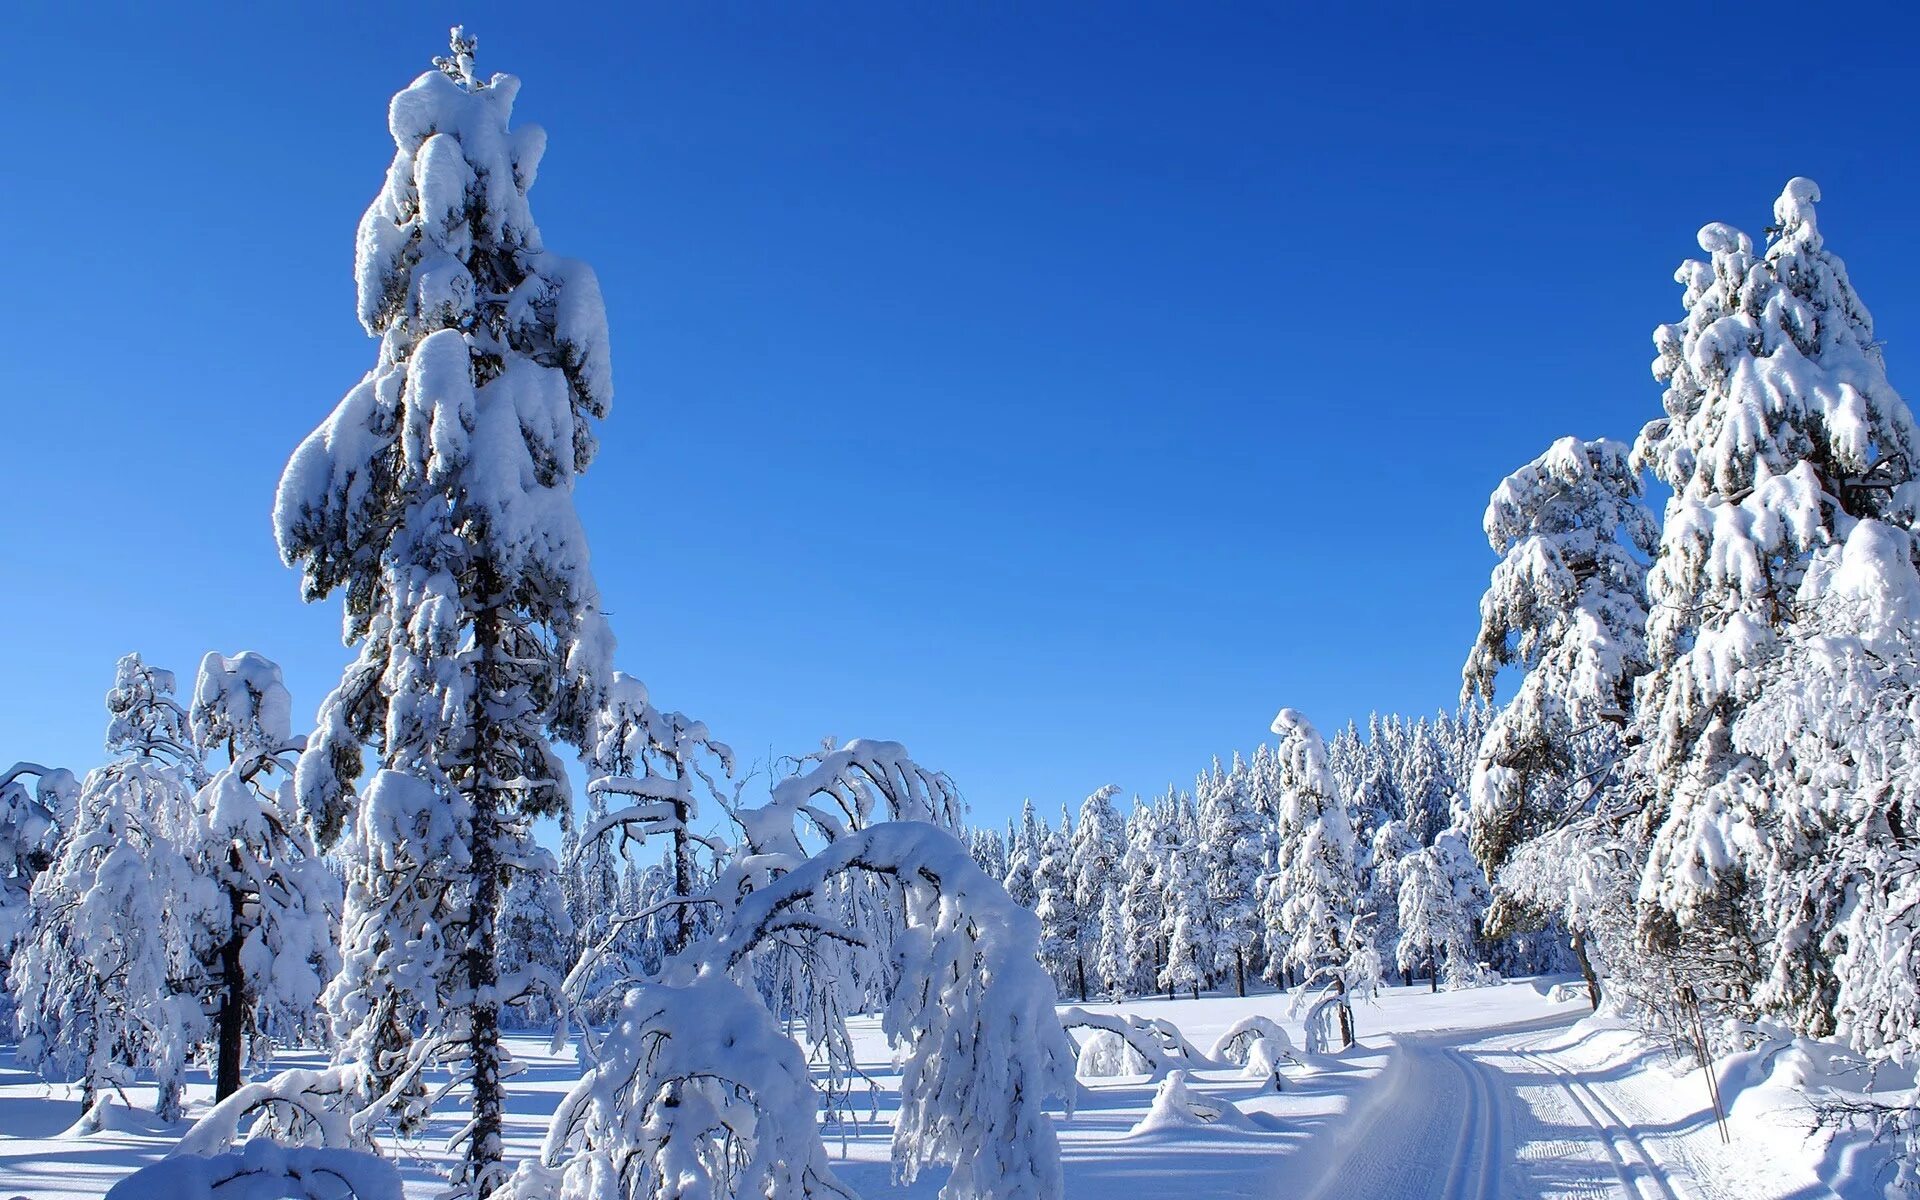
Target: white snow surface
{"points": [[1490, 1092]]}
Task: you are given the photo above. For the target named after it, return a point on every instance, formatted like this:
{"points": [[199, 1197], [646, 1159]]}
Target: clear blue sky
{"points": [[1057, 389]]}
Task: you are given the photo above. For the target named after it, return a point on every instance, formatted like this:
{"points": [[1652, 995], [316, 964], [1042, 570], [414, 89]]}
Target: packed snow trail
{"points": [[1484, 1115]]}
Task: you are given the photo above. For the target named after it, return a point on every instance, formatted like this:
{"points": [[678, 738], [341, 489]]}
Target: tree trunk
{"points": [[682, 875], [231, 1035], [1433, 970], [483, 1170], [1240, 971], [1586, 968], [1080, 966]]}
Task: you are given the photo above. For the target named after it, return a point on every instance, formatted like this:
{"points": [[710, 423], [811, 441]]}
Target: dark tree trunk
{"points": [[232, 1021], [1586, 968], [483, 1171], [1080, 966], [1240, 971], [1433, 970], [682, 876]]}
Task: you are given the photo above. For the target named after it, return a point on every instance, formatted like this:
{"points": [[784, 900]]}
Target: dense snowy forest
{"points": [[1685, 765]]}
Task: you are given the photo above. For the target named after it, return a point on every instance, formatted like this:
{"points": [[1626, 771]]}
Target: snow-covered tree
{"points": [[1233, 845], [30, 822], [1442, 896], [1782, 440], [102, 980], [1025, 845], [1566, 606], [1142, 894], [1315, 926], [267, 948], [1098, 843], [1062, 921], [437, 498], [698, 1093], [654, 764], [1187, 924]]}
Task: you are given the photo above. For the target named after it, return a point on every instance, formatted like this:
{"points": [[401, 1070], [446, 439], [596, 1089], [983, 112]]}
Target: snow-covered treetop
{"points": [[1303, 755], [1775, 363], [494, 360], [1568, 527], [242, 700], [438, 495], [143, 717]]}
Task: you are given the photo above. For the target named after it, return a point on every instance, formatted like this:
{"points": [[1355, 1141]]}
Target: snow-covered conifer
{"points": [[437, 498], [1782, 439], [1234, 847], [1098, 843], [1566, 606], [100, 979], [1317, 927], [267, 948]]}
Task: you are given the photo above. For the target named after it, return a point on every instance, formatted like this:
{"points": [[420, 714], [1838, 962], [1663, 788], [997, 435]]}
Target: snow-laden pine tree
{"points": [[102, 978], [1187, 925], [1425, 783], [267, 947], [1566, 607], [1024, 849], [30, 821], [1143, 894], [1315, 924], [1782, 440], [1442, 896], [654, 764], [1233, 844], [437, 499], [989, 850], [1061, 919], [1099, 842]]}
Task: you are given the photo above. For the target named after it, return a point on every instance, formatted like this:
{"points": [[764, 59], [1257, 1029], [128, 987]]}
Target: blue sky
{"points": [[1057, 389]]}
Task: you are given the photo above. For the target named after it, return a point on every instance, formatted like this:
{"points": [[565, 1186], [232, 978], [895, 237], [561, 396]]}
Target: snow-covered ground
{"points": [[1493, 1092]]}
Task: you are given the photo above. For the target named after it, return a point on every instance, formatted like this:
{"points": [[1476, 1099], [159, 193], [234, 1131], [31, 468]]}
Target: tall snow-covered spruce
{"points": [[1784, 445], [437, 499]]}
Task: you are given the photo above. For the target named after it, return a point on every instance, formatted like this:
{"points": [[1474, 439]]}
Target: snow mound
{"points": [[1264, 1057], [1107, 1054], [107, 1117], [1177, 1106], [264, 1171], [1567, 993], [1236, 1045]]}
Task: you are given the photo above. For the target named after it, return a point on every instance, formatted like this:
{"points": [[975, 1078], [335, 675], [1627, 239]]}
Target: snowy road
{"points": [[1491, 1114]]}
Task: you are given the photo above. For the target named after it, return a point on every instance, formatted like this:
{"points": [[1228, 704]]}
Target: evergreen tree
{"points": [[1234, 847], [1782, 440], [104, 978], [437, 498], [267, 948], [1312, 896], [1099, 842], [1024, 851], [1565, 606]]}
